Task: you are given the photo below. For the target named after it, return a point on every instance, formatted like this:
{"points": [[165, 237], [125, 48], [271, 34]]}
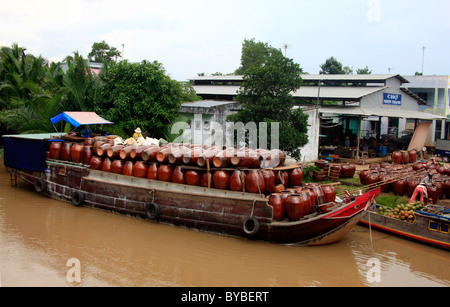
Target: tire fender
{"points": [[152, 211], [251, 225], [40, 185], [77, 198]]}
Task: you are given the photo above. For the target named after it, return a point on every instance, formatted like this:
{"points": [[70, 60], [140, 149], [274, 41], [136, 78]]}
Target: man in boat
{"points": [[422, 188], [137, 133]]}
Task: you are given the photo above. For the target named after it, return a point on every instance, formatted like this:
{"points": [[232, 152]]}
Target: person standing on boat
{"points": [[422, 188], [137, 133]]}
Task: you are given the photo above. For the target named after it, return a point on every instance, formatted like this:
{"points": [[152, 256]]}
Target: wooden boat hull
{"points": [[237, 214], [422, 230]]}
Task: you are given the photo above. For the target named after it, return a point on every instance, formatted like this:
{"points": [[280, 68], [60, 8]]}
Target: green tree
{"points": [[101, 52], [266, 97], [332, 67], [364, 71], [139, 95], [254, 54]]}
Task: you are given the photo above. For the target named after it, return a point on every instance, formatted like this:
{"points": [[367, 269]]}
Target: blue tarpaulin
{"points": [[77, 119]]}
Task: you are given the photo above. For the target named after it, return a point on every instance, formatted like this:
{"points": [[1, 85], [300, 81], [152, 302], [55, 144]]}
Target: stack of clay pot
{"points": [[409, 176], [404, 157], [243, 170], [295, 203], [335, 171]]}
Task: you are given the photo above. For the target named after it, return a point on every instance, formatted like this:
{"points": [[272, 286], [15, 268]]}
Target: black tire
{"points": [[251, 225], [77, 199], [152, 211], [40, 185]]}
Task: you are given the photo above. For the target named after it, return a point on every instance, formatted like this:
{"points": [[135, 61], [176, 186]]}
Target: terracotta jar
{"points": [[190, 157], [192, 178], [87, 154], [277, 204], [279, 188], [178, 175], [439, 183], [282, 177], [362, 176], [89, 141], [206, 180], [329, 193], [117, 167], [286, 193], [55, 150], [418, 166], [176, 155], [165, 173], [125, 152], [96, 145], [254, 182], [396, 157], [447, 188], [127, 168], [147, 154], [236, 181], [207, 155], [114, 151], [433, 193], [65, 151], [411, 184], [386, 187], [372, 178], [405, 157], [313, 195], [75, 152], [269, 181], [96, 163], [103, 149], [296, 177], [295, 204], [412, 156], [106, 165], [441, 169], [399, 187], [221, 180], [163, 154], [152, 172], [140, 169], [223, 158]]}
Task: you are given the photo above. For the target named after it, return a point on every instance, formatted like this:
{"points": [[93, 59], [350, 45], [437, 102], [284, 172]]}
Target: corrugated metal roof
{"points": [[380, 112], [207, 103]]}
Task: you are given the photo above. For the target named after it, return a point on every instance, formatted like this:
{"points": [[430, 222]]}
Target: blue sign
{"points": [[392, 99]]}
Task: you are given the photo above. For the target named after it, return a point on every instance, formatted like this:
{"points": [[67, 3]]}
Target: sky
{"points": [[205, 36]]}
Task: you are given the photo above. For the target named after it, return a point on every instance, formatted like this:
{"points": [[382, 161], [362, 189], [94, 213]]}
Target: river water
{"points": [[46, 242]]}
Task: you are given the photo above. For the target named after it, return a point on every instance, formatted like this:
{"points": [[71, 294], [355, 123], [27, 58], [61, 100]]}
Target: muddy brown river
{"points": [[46, 242]]}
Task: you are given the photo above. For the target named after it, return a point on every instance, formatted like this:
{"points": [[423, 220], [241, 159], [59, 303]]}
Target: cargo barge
{"points": [[261, 214]]}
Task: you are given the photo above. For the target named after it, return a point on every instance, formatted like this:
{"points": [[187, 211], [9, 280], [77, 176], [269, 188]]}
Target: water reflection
{"points": [[38, 235]]}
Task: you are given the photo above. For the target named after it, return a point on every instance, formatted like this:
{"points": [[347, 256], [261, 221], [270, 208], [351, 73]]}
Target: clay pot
{"points": [[192, 178], [178, 175], [277, 157], [163, 154], [75, 152], [127, 168], [348, 171], [362, 176], [399, 187], [191, 157], [295, 204], [412, 156], [96, 145], [103, 149], [411, 184], [372, 178], [279, 188], [396, 157], [277, 203], [96, 163], [117, 167], [87, 154], [447, 189], [165, 173], [246, 158], [125, 152], [282, 177], [223, 158], [418, 166], [140, 169], [329, 193], [254, 182], [147, 154], [405, 157], [221, 180], [106, 165], [65, 151], [89, 141], [55, 150], [433, 193], [152, 171], [207, 155], [206, 180], [296, 177], [114, 151], [176, 155], [441, 169], [269, 181], [236, 181], [440, 186], [313, 195]]}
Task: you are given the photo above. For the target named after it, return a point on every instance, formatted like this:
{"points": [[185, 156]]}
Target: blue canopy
{"points": [[77, 119]]}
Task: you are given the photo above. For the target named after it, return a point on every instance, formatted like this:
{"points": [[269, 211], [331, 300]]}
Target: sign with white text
{"points": [[392, 99]]}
